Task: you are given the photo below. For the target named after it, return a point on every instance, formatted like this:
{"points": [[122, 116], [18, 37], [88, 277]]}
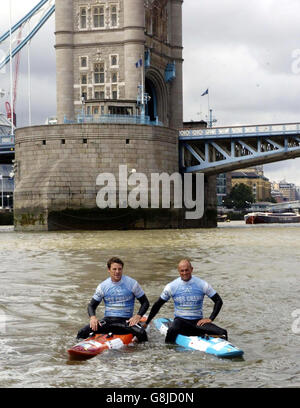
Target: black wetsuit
{"points": [[115, 325]]}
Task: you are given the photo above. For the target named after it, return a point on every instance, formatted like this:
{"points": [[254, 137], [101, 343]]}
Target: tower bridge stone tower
{"points": [[100, 45]]}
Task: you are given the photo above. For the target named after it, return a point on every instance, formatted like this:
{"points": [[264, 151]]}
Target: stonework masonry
{"points": [[58, 167]]}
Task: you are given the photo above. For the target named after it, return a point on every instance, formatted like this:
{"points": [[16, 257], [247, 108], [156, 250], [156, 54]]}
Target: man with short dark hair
{"points": [[118, 293], [188, 293]]}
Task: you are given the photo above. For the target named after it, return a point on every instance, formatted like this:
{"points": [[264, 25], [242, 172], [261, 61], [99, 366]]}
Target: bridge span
{"points": [[223, 149]]}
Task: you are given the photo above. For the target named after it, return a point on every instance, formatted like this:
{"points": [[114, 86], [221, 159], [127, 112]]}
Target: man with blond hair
{"points": [[188, 293]]}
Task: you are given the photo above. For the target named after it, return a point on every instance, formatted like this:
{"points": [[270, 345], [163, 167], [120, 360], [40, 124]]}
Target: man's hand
{"points": [[203, 321], [134, 320], [94, 323]]}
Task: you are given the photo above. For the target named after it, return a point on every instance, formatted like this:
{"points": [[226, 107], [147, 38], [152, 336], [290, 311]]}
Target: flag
{"points": [[205, 93], [139, 63]]}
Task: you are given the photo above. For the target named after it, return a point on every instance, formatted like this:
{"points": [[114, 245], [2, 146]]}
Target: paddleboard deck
{"points": [[92, 346], [208, 344], [95, 345]]}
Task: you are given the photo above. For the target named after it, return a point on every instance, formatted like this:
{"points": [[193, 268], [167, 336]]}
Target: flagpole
{"points": [[209, 122]]}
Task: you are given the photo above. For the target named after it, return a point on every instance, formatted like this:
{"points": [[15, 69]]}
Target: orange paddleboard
{"points": [[92, 346], [95, 345]]}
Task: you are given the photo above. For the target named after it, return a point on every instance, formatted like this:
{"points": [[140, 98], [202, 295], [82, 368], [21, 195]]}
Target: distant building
{"points": [[258, 169], [255, 179], [276, 194], [223, 187], [288, 190]]}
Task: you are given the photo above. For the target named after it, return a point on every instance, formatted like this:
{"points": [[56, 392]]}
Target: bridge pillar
{"points": [[134, 45], [58, 191], [64, 59]]}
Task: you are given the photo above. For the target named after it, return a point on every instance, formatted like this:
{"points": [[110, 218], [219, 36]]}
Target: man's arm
{"points": [[142, 310], [217, 306], [92, 306], [144, 305], [218, 302], [155, 309]]}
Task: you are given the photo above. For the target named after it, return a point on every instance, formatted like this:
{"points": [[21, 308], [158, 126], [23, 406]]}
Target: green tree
{"points": [[271, 200], [240, 197]]}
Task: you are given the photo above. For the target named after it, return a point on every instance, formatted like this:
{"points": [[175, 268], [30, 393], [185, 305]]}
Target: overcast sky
{"points": [[247, 53]]}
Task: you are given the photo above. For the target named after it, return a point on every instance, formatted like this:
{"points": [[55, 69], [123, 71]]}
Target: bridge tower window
{"points": [[83, 18], [113, 16], [83, 79], [120, 110], [114, 77], [114, 92], [99, 93], [83, 62], [155, 22], [84, 94], [98, 17], [114, 60], [99, 73]]}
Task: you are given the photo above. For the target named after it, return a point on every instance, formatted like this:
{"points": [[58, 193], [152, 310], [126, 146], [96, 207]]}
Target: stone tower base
{"points": [[57, 168]]}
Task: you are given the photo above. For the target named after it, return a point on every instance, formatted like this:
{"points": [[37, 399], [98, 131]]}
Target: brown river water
{"points": [[47, 280]]}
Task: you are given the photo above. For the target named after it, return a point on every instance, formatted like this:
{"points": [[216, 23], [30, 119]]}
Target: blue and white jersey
{"points": [[119, 297], [188, 296]]}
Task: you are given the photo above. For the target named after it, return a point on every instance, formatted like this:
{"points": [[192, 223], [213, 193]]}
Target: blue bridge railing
{"points": [[114, 119], [237, 131], [7, 140], [7, 144]]}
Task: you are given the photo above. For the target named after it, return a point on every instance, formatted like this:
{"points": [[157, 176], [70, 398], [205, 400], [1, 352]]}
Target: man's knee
{"points": [[172, 333], [171, 336], [85, 332], [142, 336], [176, 328], [225, 334], [219, 331], [140, 333]]}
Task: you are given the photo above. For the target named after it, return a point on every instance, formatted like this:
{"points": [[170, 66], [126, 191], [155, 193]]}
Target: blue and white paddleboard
{"points": [[210, 345]]}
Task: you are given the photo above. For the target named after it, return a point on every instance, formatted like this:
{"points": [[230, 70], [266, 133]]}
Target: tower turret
{"points": [[64, 58], [98, 44]]}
